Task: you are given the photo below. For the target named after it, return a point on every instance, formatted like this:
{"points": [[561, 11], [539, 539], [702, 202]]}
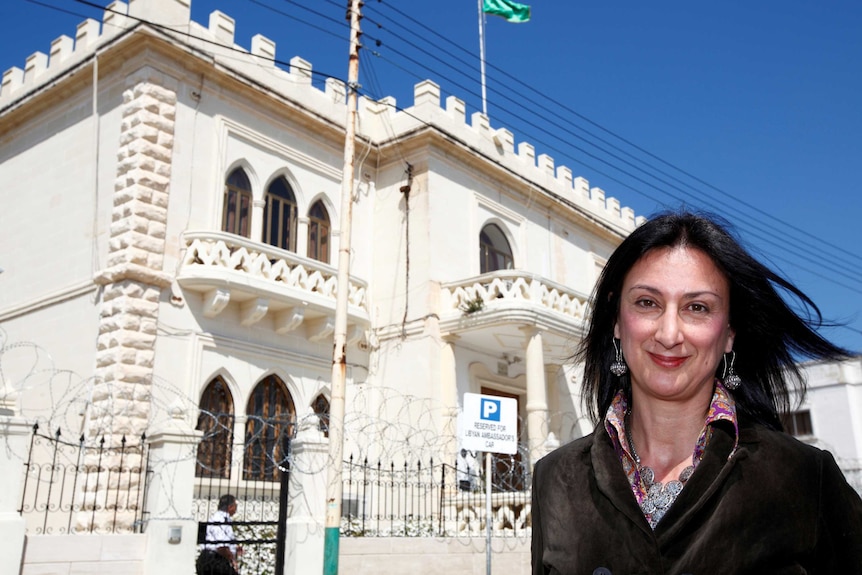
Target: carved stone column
{"points": [[302, 236], [537, 394], [257, 220], [449, 396]]}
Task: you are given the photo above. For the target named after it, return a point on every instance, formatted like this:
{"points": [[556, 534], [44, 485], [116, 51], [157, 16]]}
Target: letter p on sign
{"points": [[490, 409]]}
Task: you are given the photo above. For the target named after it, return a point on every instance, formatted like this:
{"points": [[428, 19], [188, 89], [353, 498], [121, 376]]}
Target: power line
{"points": [[566, 126], [841, 270], [817, 258], [812, 256], [562, 106]]}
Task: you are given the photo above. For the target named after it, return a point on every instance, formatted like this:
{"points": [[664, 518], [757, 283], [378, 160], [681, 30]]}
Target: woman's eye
{"points": [[698, 308], [645, 303]]}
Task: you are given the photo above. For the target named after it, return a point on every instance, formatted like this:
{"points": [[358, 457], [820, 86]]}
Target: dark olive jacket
{"points": [[776, 506]]}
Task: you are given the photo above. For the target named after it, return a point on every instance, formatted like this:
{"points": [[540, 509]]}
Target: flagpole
{"points": [[482, 56]]}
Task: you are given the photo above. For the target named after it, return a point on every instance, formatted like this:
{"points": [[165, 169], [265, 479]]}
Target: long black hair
{"points": [[769, 334]]}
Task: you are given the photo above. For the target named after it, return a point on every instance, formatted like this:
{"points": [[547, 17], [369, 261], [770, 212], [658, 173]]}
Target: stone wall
{"points": [[91, 554], [133, 279], [427, 556]]}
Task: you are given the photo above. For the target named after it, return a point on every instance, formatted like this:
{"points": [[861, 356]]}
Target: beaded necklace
{"points": [[659, 497]]}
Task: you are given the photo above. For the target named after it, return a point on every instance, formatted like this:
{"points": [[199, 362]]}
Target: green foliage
{"points": [[472, 306]]}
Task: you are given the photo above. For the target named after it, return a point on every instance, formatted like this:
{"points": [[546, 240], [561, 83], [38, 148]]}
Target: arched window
{"points": [[279, 216], [321, 410], [318, 233], [268, 430], [494, 251], [237, 204], [216, 421]]}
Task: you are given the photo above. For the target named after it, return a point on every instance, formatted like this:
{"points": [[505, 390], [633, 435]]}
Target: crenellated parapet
{"points": [[65, 54], [380, 121], [497, 144], [216, 39]]}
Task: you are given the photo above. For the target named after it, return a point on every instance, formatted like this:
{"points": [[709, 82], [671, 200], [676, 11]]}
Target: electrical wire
{"points": [[561, 106], [814, 256], [568, 128]]}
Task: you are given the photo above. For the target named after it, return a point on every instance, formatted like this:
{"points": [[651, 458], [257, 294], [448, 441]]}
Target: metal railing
{"points": [[260, 522], [432, 500], [84, 487]]}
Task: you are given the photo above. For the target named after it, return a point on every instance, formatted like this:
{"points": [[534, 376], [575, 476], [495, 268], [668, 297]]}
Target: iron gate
{"points": [[262, 539]]}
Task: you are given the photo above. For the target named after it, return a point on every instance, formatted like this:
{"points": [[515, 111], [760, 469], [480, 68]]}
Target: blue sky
{"points": [[748, 109]]}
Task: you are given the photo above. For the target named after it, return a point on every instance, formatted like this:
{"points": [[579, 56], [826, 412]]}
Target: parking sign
{"points": [[489, 423]]}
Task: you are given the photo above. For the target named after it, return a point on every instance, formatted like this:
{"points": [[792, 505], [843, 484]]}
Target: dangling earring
{"points": [[618, 366], [730, 379]]}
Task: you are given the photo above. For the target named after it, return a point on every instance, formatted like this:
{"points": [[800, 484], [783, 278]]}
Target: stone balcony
{"points": [[490, 310], [265, 280]]}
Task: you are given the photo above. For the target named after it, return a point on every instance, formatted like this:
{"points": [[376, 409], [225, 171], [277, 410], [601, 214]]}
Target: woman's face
{"points": [[674, 323]]}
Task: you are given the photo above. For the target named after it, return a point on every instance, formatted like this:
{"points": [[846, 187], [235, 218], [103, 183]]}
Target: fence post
{"points": [[307, 500], [170, 527], [14, 432]]}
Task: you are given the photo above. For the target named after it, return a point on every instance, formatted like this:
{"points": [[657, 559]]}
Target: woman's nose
{"points": [[669, 332]]}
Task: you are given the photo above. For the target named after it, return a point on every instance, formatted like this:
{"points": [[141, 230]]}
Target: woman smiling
{"points": [[688, 363]]}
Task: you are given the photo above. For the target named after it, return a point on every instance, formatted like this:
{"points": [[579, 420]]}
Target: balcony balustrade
{"points": [[512, 289], [265, 279]]}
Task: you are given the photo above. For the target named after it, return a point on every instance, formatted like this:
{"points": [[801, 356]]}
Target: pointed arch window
{"points": [[279, 215], [237, 204], [215, 420], [321, 410], [494, 251], [318, 232], [271, 419]]}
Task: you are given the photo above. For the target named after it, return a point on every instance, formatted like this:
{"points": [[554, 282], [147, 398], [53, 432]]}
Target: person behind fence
{"points": [[219, 554], [466, 467], [689, 360]]}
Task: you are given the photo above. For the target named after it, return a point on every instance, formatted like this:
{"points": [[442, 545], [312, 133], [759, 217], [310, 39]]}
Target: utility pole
{"points": [[339, 353]]}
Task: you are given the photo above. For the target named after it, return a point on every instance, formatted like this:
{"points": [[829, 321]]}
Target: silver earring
{"points": [[618, 366], [731, 380]]}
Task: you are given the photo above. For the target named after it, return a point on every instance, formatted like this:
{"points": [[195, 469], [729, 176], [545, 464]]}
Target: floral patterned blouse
{"points": [[721, 408]]}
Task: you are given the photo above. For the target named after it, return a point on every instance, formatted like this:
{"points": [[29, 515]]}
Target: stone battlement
{"points": [[379, 119]]}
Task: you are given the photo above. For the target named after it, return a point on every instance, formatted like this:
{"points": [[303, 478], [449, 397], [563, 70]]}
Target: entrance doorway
{"points": [[509, 471]]}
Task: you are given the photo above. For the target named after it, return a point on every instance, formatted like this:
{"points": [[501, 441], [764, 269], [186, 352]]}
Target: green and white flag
{"points": [[511, 11]]}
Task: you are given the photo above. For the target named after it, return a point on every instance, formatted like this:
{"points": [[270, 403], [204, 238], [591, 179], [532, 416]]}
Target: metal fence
{"points": [[260, 522], [432, 500], [84, 486]]}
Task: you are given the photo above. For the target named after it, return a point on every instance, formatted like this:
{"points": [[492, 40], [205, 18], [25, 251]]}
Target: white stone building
{"points": [[830, 417], [170, 222], [171, 218]]}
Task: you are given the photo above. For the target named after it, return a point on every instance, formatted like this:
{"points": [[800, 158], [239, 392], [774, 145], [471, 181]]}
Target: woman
{"points": [[688, 361]]}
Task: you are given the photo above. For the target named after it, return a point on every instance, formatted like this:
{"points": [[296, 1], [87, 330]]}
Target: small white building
{"points": [[830, 417], [171, 222]]}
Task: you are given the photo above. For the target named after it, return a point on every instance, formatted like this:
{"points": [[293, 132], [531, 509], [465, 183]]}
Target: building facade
{"points": [[172, 220]]}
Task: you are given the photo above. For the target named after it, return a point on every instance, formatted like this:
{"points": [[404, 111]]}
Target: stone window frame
{"points": [[270, 426], [319, 232], [237, 207], [320, 405], [216, 421], [798, 423], [495, 253], [280, 198]]}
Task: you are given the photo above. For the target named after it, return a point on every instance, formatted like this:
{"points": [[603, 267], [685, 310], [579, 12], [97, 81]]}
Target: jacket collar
{"points": [[707, 479]]}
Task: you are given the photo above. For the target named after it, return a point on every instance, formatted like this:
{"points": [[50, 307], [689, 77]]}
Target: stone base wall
{"points": [[428, 556], [91, 554], [125, 555]]}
